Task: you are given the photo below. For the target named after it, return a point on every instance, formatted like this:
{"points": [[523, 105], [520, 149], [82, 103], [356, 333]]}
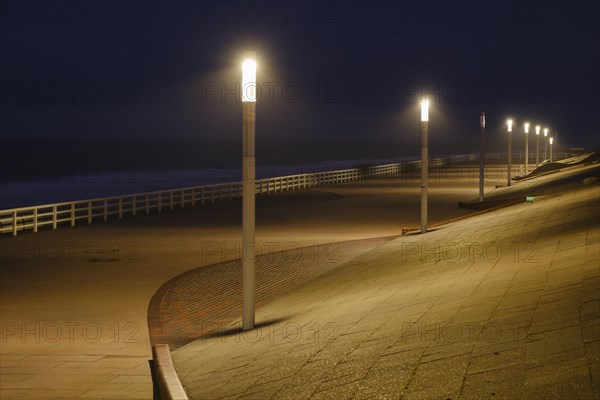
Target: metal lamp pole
{"points": [[509, 123], [248, 191], [526, 147], [545, 143], [481, 154], [424, 162], [537, 146]]}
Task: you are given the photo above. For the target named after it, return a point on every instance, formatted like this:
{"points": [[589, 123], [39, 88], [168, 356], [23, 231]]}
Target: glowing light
{"points": [[551, 140], [526, 127], [249, 81], [545, 131], [509, 123], [537, 130], [425, 110]]}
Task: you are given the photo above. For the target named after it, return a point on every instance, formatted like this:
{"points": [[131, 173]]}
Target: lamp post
{"points": [[551, 142], [545, 143], [481, 154], [424, 162], [526, 126], [509, 123], [248, 191], [537, 146]]}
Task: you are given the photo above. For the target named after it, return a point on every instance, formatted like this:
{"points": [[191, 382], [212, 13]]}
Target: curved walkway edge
{"points": [[198, 302]]}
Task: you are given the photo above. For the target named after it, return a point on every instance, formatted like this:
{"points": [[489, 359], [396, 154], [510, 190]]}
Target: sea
{"points": [[37, 172]]}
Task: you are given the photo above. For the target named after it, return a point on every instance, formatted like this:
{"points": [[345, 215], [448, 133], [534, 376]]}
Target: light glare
{"points": [[249, 81], [537, 130], [546, 132], [509, 123], [425, 110], [526, 127]]}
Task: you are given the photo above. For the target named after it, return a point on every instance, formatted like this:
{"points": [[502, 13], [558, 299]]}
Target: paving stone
{"points": [[542, 297], [501, 383]]}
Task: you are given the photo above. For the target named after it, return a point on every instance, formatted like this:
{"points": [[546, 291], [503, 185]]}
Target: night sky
{"points": [[338, 71]]}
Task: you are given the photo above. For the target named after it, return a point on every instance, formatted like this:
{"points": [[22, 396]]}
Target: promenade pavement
{"points": [[499, 305], [73, 302]]}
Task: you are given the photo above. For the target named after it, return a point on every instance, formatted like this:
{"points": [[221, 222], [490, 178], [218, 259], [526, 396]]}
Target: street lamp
{"points": [[537, 146], [248, 191], [510, 124], [551, 141], [526, 147], [545, 143], [424, 162], [481, 155]]}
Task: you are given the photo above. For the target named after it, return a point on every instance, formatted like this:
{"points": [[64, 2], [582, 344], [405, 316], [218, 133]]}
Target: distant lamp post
{"points": [[481, 155], [510, 124], [248, 191], [537, 146], [545, 143], [526, 126], [424, 162], [551, 142]]}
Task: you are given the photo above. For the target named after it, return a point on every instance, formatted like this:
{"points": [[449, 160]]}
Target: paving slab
{"points": [[410, 320], [63, 313]]}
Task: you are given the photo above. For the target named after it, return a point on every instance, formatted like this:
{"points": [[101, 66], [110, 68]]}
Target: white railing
{"points": [[521, 156], [70, 213]]}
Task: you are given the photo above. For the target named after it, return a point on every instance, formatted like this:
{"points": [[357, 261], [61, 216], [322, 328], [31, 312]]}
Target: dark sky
{"points": [[332, 70]]}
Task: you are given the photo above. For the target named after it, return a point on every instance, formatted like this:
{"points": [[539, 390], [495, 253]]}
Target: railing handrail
{"points": [[33, 217], [141, 194]]}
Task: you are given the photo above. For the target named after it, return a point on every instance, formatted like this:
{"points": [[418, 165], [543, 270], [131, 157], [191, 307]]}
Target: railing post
{"points": [[134, 205], [14, 223], [53, 217], [105, 210], [120, 207], [147, 204], [89, 212], [171, 200], [159, 201], [72, 214], [194, 197], [35, 220], [182, 198]]}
